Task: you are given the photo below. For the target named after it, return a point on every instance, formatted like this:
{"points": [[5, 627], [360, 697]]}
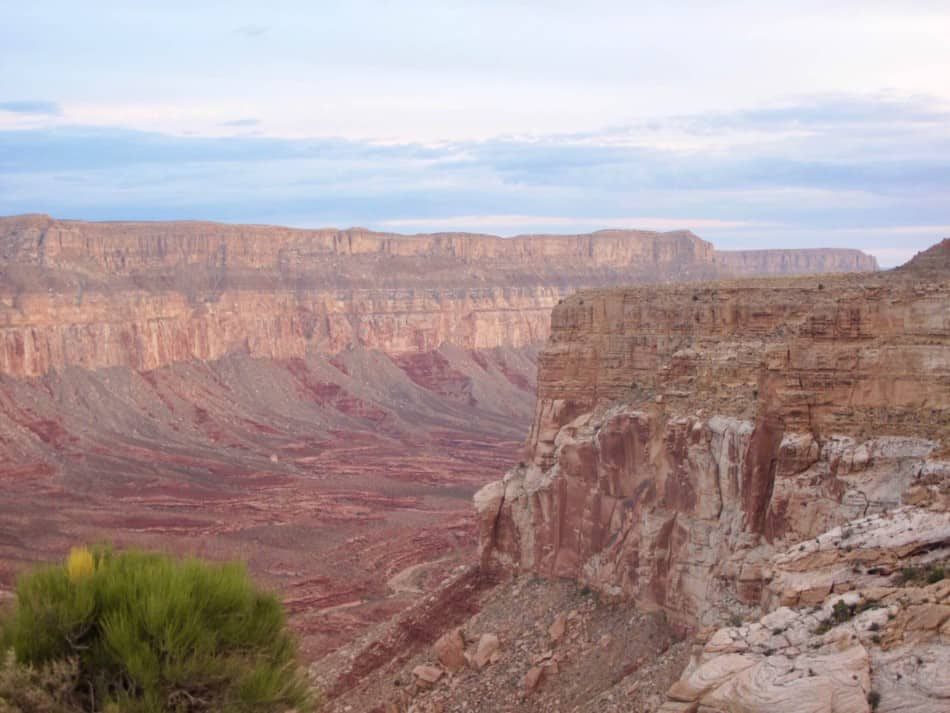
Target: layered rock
{"points": [[146, 295], [789, 262], [875, 634], [684, 433]]}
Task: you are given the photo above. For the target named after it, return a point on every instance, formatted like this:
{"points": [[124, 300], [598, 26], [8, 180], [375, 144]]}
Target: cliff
{"points": [[746, 263], [146, 295], [683, 433]]}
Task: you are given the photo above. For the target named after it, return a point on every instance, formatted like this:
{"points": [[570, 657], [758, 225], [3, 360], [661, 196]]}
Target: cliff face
{"points": [[147, 330], [793, 262], [683, 433], [146, 295]]}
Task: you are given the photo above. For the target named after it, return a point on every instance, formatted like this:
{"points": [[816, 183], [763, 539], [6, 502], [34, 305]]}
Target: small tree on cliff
{"points": [[150, 634]]}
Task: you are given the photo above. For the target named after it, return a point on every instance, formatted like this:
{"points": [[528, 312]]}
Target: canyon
{"points": [[735, 497], [320, 403]]}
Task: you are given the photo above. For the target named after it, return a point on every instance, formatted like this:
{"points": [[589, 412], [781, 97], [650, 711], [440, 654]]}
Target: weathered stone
{"points": [[558, 628], [533, 678], [450, 649], [487, 645], [428, 674], [656, 503]]}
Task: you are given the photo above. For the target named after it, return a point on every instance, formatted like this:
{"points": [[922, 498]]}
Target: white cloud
{"points": [[511, 222]]}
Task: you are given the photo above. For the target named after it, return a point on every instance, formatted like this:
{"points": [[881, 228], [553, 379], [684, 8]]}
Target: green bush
{"points": [[151, 634]]}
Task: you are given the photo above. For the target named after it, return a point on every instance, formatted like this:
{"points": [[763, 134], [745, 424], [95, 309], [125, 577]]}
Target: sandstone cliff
{"points": [[729, 450], [146, 295], [682, 433], [789, 262]]}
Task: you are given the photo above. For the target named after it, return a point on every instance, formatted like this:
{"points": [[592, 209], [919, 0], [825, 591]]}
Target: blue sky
{"points": [[755, 124]]}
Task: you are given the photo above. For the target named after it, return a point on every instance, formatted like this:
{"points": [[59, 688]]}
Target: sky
{"points": [[754, 124]]}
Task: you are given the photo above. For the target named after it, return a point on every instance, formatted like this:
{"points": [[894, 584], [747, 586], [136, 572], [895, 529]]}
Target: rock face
{"points": [[684, 433], [145, 295], [877, 637], [789, 262]]}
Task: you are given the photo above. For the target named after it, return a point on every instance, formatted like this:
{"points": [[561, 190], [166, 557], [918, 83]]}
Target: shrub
{"points": [[874, 700], [24, 689], [909, 574], [150, 634], [916, 575]]}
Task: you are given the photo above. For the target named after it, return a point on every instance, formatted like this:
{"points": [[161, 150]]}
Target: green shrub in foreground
{"points": [[155, 635]]}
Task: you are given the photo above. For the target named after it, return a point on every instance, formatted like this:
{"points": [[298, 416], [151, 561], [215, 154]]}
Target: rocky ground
{"points": [[856, 621], [879, 649], [533, 645]]}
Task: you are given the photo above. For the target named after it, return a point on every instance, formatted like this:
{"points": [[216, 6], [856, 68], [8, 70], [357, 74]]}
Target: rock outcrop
{"points": [[685, 433], [875, 634], [768, 453]]}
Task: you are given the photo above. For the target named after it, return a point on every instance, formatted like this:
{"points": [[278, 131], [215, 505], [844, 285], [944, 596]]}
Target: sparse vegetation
{"points": [[874, 700], [24, 689], [922, 575], [735, 620], [909, 574], [145, 633], [842, 612]]}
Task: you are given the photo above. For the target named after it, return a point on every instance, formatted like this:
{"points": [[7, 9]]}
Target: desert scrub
{"points": [[152, 634], [921, 575], [24, 689]]}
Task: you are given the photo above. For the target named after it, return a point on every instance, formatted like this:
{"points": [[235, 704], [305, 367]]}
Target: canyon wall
{"points": [[146, 295], [683, 433], [745, 263]]}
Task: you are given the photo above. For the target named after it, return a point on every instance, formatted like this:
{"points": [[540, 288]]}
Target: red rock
{"points": [[450, 649], [533, 679], [488, 644], [428, 674], [558, 628], [343, 293], [815, 393]]}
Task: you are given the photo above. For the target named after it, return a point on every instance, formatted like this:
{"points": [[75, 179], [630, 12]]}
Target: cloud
{"points": [[515, 221], [252, 30], [241, 122], [32, 106], [866, 172]]}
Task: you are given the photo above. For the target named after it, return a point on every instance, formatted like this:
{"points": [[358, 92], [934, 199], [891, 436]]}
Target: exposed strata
{"points": [[683, 433], [864, 625], [146, 295]]}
